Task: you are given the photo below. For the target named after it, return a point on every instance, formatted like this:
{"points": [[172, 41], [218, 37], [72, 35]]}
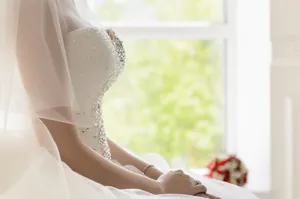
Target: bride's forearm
{"points": [[125, 158], [93, 166], [90, 164]]}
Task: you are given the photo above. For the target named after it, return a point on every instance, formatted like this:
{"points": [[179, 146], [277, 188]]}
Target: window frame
{"points": [[202, 30], [229, 31]]}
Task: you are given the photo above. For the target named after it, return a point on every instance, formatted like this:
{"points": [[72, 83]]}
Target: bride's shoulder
{"points": [[74, 22]]}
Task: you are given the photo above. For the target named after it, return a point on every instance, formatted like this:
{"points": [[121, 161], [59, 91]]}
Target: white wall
{"points": [[283, 73], [253, 91], [285, 96]]}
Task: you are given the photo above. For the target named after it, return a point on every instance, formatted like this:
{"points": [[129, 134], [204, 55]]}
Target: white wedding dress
{"points": [[89, 52]]}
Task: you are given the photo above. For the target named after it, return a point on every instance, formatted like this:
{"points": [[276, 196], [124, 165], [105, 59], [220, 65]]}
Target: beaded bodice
{"points": [[95, 60]]}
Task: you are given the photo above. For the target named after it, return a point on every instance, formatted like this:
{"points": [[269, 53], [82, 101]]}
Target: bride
{"points": [[54, 70]]}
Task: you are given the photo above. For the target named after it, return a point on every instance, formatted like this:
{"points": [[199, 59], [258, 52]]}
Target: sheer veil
{"points": [[35, 85], [36, 88]]}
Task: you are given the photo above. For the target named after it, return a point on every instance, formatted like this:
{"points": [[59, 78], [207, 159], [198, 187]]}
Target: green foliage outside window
{"points": [[169, 100]]}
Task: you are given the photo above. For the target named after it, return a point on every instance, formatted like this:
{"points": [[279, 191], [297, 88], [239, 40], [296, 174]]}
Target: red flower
{"points": [[228, 169]]}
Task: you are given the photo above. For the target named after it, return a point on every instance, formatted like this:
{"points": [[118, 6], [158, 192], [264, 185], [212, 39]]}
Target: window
{"points": [[176, 91]]}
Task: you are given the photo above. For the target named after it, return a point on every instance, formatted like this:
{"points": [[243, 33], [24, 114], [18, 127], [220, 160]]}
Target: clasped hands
{"points": [[177, 182]]}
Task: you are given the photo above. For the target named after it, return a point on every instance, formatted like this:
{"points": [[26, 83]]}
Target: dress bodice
{"points": [[95, 60]]}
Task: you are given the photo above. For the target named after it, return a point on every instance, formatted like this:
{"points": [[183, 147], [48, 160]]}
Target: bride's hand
{"points": [[177, 182], [206, 195]]}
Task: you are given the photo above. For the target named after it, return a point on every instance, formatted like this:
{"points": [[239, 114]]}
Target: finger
{"points": [[199, 189], [179, 171], [198, 182], [195, 182], [202, 195], [212, 196], [187, 176]]}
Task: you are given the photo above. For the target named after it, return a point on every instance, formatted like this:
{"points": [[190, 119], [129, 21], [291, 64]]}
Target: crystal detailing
{"points": [[119, 52], [97, 132], [119, 48], [100, 136]]}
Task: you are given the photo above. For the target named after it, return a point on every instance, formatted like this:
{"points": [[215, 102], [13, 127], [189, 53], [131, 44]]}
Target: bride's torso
{"points": [[96, 57], [95, 60]]}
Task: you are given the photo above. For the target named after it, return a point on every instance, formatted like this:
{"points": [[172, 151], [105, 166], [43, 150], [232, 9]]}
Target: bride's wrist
{"points": [[153, 186], [158, 188], [153, 173], [149, 185]]}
